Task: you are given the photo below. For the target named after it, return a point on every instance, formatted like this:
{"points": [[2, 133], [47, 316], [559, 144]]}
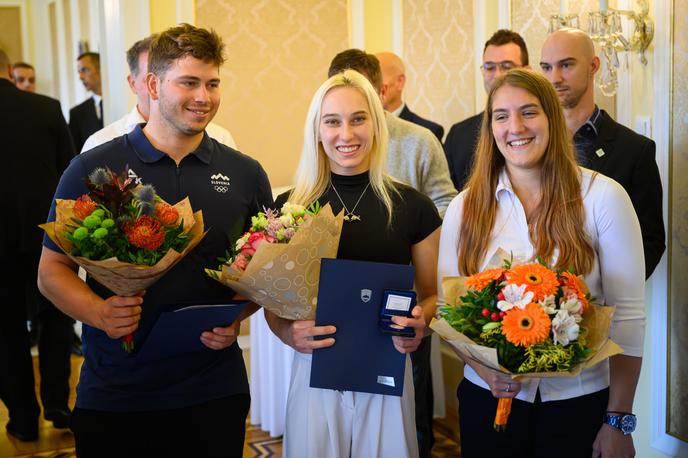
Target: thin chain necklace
{"points": [[349, 215]]}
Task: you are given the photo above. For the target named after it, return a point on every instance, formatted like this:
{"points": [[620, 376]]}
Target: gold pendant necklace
{"points": [[349, 215]]}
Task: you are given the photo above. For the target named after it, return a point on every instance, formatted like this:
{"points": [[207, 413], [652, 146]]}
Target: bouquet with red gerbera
{"points": [[123, 234], [526, 320]]}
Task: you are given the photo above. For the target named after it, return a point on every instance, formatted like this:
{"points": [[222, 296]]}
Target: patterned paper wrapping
{"points": [[283, 277], [123, 278], [597, 321]]}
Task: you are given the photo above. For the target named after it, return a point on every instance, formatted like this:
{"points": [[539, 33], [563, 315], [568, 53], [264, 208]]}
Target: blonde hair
{"points": [[312, 178], [559, 219]]}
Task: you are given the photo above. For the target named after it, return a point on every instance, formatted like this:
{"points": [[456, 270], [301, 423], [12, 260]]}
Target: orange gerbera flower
{"points": [[576, 285], [525, 327], [480, 280], [537, 278]]}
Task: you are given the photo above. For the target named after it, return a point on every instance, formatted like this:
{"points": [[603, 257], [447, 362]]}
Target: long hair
{"points": [[313, 173], [558, 221]]}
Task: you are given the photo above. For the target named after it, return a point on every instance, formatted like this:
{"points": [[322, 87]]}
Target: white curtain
{"points": [[270, 373]]}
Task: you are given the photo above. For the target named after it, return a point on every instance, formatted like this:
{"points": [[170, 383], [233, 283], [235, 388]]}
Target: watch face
{"points": [[628, 424]]}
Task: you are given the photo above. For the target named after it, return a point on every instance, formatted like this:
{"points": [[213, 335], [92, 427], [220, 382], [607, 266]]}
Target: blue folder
{"points": [[363, 358], [179, 331]]}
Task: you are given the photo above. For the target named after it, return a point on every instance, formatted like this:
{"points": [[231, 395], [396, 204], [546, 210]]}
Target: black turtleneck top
{"points": [[372, 239]]}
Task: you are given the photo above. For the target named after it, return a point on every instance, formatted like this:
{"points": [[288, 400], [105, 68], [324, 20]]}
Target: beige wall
{"points": [[530, 18], [278, 54], [10, 32], [677, 403], [438, 50]]}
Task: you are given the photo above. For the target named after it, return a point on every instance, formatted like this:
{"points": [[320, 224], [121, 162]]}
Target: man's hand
{"points": [[220, 338], [119, 316]]}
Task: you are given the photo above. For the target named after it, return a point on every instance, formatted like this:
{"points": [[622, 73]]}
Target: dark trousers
{"points": [[216, 428], [55, 334], [17, 385], [422, 382], [565, 429]]}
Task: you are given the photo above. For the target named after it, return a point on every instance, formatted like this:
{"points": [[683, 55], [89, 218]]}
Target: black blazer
{"points": [[433, 127], [629, 158], [84, 122], [459, 147], [36, 148]]}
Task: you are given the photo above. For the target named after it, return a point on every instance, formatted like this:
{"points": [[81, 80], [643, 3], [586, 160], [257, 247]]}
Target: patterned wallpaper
{"points": [[438, 52], [678, 364], [278, 52], [530, 18]]}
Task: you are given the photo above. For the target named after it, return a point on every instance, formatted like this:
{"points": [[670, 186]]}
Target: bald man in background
{"points": [[569, 62], [393, 82]]}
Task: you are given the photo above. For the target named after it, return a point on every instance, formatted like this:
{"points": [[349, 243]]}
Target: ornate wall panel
{"points": [[11, 33], [438, 52], [278, 52], [530, 18], [677, 402]]}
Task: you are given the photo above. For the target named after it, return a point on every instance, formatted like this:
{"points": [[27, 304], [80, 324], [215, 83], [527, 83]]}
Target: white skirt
{"points": [[332, 424]]}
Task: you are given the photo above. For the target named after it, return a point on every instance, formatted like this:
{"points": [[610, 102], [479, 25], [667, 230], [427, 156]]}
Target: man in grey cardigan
{"points": [[416, 157]]}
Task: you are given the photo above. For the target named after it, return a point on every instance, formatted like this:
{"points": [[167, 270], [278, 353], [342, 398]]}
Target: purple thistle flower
{"points": [[99, 177], [146, 194]]}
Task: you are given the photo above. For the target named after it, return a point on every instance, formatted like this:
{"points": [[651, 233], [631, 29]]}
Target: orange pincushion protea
{"points": [[84, 206], [525, 327], [166, 213], [482, 279], [538, 279], [573, 283], [146, 232]]}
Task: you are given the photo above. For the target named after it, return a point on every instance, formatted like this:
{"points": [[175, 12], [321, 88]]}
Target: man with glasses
{"points": [[504, 50]]}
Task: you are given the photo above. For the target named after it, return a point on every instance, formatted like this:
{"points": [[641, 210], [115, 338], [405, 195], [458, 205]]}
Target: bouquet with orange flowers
{"points": [[527, 320], [123, 234]]}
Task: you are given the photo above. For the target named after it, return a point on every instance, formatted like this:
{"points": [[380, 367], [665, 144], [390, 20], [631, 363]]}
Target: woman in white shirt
{"points": [[527, 195]]}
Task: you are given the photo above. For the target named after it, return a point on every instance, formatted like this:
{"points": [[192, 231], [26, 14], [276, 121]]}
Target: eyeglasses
{"points": [[504, 66]]}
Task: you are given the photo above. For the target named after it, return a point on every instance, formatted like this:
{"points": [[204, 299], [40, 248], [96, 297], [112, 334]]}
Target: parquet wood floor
{"points": [[54, 443]]}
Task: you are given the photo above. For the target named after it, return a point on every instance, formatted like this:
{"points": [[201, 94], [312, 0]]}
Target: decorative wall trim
{"points": [[398, 27], [356, 24], [659, 283], [504, 8], [23, 17], [479, 34]]}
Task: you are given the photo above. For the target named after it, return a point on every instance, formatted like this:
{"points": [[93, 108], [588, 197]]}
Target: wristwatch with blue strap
{"points": [[623, 421]]}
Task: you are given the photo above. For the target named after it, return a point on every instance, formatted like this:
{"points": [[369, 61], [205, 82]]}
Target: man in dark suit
{"points": [[36, 149], [503, 51], [87, 118], [569, 62], [393, 82]]}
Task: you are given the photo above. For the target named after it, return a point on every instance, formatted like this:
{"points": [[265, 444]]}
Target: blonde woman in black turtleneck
{"points": [[342, 163]]}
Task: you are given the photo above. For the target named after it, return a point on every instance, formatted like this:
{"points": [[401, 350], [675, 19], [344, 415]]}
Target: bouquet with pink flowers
{"points": [[277, 262]]}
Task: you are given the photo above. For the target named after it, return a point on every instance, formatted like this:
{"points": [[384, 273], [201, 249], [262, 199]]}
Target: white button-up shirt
{"points": [[126, 124], [617, 277]]}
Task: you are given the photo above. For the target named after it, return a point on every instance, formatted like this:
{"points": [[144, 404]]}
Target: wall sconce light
{"points": [[604, 27]]}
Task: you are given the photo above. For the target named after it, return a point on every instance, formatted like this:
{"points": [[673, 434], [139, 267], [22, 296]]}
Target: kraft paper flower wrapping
{"points": [[283, 277], [597, 321], [123, 278]]}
